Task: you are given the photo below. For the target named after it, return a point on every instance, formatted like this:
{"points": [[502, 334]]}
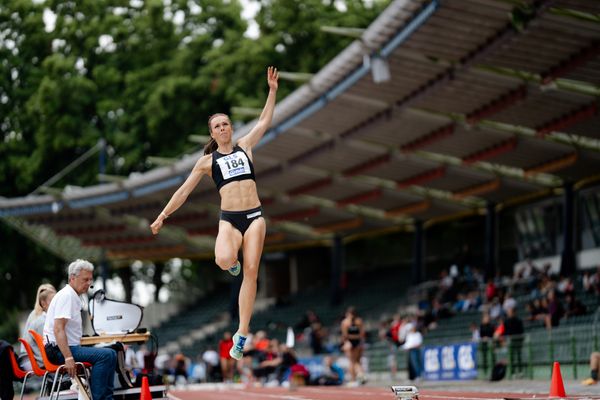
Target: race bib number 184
{"points": [[233, 165]]}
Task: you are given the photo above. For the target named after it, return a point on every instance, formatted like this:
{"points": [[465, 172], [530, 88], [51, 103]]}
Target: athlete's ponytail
{"points": [[212, 144]]}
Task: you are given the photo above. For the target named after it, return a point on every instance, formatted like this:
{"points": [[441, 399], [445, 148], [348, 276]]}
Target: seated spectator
{"points": [[545, 285], [529, 269], [490, 290], [474, 300], [6, 374], [477, 277], [475, 337], [587, 282], [180, 369], [261, 342], [565, 286], [537, 310], [307, 320], [394, 329], [332, 375], [574, 307], [461, 303], [555, 310], [495, 309], [318, 335], [199, 371], [508, 303], [446, 280], [594, 366], [439, 310], [63, 330], [287, 360], [35, 321], [268, 361], [594, 282]]}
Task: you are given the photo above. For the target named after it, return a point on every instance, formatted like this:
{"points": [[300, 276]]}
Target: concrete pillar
{"points": [[490, 240], [337, 259], [261, 291], [567, 263], [293, 274], [418, 272]]}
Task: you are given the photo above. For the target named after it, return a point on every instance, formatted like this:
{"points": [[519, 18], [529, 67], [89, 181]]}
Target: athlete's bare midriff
{"points": [[239, 196]]}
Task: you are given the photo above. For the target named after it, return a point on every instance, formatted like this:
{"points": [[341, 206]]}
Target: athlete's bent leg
{"points": [[227, 245]]}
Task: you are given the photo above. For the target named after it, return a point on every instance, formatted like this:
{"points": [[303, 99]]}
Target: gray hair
{"points": [[78, 265]]}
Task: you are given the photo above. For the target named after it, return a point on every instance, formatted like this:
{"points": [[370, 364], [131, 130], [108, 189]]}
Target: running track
{"points": [[342, 393]]}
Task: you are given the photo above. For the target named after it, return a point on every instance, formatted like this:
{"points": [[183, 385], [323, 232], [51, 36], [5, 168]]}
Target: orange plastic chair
{"points": [[17, 371], [35, 367], [53, 368]]}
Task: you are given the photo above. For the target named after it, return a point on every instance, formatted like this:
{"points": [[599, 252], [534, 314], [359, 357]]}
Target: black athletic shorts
{"points": [[241, 220]]}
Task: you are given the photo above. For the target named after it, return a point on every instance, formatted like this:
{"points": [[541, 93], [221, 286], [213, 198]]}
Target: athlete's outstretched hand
{"points": [[157, 224], [272, 78]]}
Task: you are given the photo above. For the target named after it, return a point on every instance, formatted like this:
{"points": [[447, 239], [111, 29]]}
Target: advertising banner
{"points": [[450, 362]]}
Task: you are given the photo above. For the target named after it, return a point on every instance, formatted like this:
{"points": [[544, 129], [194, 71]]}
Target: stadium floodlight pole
{"points": [[343, 31], [66, 170]]}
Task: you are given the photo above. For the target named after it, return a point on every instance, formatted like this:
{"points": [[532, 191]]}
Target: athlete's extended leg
{"points": [[254, 239], [252, 250], [227, 245]]}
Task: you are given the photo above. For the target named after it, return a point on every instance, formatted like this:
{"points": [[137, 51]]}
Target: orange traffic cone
{"points": [[557, 389], [145, 393]]}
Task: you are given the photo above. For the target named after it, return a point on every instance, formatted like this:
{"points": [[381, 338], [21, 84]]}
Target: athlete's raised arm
{"points": [[266, 116]]}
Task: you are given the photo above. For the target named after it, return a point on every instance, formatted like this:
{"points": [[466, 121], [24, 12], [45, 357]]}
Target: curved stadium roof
{"points": [[483, 104]]}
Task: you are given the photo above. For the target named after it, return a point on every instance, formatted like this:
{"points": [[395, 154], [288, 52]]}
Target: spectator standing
{"points": [[211, 359], [413, 343], [227, 362], [513, 329], [486, 335]]}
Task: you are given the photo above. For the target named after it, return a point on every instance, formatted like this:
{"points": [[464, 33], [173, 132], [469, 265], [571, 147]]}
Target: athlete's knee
{"points": [[224, 262], [251, 272]]}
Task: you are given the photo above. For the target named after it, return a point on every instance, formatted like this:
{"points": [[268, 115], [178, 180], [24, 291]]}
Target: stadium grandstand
{"points": [[441, 175]]}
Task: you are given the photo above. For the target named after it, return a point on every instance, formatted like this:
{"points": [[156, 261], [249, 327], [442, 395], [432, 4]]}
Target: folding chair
{"points": [[58, 370], [17, 371]]}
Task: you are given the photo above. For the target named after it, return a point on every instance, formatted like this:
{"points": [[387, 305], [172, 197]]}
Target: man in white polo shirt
{"points": [[63, 330]]}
